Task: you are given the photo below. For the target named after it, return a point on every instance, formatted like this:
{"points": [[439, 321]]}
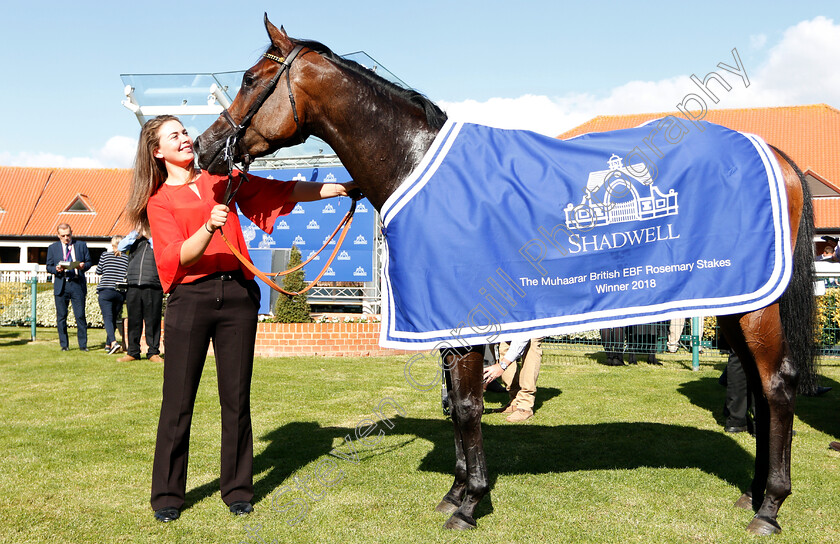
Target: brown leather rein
{"points": [[343, 225]]}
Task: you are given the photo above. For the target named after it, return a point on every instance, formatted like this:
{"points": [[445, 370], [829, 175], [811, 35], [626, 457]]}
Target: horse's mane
{"points": [[434, 115]]}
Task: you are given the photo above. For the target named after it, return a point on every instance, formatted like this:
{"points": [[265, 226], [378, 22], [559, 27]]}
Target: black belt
{"points": [[230, 275]]}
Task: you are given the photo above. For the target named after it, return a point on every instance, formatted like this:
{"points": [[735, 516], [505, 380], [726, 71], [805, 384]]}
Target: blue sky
{"points": [[542, 65]]}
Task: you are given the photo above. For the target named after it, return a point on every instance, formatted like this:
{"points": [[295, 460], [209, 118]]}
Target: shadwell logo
{"points": [[620, 194]]}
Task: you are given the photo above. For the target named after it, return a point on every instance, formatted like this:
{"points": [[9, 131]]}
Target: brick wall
{"points": [[328, 339]]}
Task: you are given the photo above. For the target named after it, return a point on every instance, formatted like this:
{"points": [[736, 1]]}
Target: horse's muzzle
{"points": [[210, 159]]}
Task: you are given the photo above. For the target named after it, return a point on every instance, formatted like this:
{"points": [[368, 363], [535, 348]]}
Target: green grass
{"points": [[630, 454]]}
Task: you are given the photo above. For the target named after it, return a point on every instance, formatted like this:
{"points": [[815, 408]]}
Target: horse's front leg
{"points": [[452, 500], [467, 401]]}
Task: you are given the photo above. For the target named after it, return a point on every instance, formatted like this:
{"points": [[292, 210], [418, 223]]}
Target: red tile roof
{"points": [[810, 135], [36, 200], [20, 190], [827, 213]]}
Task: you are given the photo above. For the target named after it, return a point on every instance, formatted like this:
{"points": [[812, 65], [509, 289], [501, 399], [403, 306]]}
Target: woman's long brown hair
{"points": [[149, 172]]}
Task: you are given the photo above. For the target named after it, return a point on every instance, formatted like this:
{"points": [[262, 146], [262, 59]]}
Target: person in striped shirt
{"points": [[112, 266]]}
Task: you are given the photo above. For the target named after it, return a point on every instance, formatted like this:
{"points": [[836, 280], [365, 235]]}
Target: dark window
{"points": [[96, 253], [36, 255], [78, 205], [9, 255]]}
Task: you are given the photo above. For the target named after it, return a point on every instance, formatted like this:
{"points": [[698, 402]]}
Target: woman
{"points": [[112, 267], [211, 297]]}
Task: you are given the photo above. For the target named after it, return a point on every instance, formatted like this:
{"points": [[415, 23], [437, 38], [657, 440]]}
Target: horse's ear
{"points": [[279, 38]]}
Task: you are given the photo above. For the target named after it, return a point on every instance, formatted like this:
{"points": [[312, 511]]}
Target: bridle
{"points": [[234, 140]]}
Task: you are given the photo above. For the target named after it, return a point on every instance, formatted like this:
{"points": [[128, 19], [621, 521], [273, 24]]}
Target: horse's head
{"points": [[268, 112]]}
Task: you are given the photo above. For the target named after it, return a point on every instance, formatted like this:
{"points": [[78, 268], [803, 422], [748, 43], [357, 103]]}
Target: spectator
{"points": [[521, 381], [144, 297], [642, 339], [638, 338], [829, 252], [67, 261], [739, 399], [112, 267], [613, 341], [675, 329]]}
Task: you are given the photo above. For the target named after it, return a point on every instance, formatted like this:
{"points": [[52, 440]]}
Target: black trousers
{"points": [[738, 394], [143, 306], [224, 311]]}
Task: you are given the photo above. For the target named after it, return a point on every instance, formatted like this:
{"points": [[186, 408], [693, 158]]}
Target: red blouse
{"points": [[176, 213]]}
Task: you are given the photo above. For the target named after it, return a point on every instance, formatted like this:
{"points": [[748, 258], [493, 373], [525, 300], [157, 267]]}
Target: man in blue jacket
{"points": [[69, 283]]}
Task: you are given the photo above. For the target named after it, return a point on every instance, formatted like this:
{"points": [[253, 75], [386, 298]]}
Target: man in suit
{"points": [[69, 284]]}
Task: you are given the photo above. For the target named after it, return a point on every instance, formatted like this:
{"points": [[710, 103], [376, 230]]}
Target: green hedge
{"points": [[16, 311]]}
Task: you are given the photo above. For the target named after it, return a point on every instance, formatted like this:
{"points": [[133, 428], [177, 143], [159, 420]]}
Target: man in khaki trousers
{"points": [[520, 380]]}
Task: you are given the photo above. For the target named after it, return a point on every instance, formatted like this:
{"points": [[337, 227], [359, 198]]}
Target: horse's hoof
{"points": [[460, 522], [744, 501], [761, 526], [446, 507]]}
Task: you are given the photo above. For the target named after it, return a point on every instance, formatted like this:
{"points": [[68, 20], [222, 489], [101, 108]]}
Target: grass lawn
{"points": [[629, 454]]}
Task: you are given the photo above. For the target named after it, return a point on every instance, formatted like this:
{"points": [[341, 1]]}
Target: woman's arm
{"points": [[193, 247], [308, 191]]}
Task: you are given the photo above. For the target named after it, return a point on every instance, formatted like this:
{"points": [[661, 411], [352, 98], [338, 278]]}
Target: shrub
{"points": [[17, 312], [295, 308]]}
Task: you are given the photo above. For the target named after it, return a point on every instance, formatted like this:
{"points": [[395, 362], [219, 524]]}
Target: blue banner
{"points": [[513, 234], [310, 223]]}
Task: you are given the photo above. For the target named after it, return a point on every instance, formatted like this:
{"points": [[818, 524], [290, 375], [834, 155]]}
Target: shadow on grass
{"points": [[510, 450], [13, 338], [290, 447], [819, 412], [822, 412], [707, 394], [538, 449], [494, 401]]}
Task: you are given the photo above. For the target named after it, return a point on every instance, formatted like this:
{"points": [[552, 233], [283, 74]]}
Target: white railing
{"points": [[22, 273]]}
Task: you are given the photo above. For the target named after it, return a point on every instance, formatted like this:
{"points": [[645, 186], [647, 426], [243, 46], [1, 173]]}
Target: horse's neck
{"points": [[379, 141]]}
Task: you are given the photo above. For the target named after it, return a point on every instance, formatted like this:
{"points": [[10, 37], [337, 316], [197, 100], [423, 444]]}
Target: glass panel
{"points": [[171, 89], [190, 90], [372, 64]]}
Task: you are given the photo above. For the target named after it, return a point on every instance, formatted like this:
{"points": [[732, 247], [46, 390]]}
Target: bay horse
{"points": [[381, 131]]}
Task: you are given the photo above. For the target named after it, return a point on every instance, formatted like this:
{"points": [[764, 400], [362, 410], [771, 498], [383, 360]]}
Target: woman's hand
{"points": [[343, 189], [218, 217], [193, 247]]}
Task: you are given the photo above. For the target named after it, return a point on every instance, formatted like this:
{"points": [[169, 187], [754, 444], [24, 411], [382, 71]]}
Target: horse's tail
{"points": [[798, 304]]}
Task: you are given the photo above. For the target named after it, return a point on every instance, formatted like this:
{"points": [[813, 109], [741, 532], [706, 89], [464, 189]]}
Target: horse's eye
{"points": [[247, 79]]}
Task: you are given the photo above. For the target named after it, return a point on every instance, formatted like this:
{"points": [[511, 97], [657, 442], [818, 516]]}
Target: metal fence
{"points": [[652, 340]]}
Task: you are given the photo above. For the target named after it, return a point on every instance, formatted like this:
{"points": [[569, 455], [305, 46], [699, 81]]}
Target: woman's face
{"points": [[174, 144]]}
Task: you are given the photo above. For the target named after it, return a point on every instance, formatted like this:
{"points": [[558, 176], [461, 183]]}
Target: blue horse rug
{"points": [[510, 234]]}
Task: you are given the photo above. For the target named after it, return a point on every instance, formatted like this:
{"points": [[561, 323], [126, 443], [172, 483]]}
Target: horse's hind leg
{"points": [[758, 340], [466, 397]]}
